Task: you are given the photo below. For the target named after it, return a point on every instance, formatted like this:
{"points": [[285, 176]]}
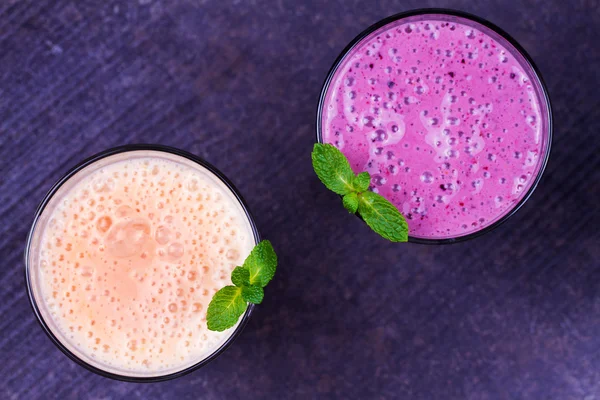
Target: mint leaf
{"points": [[362, 182], [351, 202], [253, 294], [261, 263], [240, 276], [230, 302], [382, 217], [225, 308], [333, 168]]}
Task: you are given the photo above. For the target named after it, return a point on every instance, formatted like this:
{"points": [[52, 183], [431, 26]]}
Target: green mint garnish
{"points": [[333, 169], [261, 263], [240, 276], [350, 201], [382, 217], [225, 308], [362, 182], [253, 294], [230, 302]]}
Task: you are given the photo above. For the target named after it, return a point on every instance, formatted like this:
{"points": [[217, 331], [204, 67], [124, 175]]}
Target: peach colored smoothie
{"points": [[128, 256], [448, 118]]}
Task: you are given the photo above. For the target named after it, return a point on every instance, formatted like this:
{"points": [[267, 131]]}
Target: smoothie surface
{"points": [[445, 116]]}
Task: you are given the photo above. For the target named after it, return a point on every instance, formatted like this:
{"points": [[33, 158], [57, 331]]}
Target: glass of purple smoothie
{"points": [[447, 113]]}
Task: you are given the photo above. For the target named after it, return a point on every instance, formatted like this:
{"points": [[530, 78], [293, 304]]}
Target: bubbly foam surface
{"points": [[130, 258], [446, 120]]}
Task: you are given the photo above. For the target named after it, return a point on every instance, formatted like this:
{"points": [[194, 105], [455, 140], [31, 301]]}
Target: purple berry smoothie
{"points": [[447, 116]]}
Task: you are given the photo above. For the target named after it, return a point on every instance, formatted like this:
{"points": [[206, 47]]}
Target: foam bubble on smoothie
{"points": [[444, 117], [131, 258]]}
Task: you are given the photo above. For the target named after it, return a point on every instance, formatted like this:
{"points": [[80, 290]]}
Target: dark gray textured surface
{"points": [[512, 315]]}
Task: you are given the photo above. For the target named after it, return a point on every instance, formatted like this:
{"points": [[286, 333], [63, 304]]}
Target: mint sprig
{"points": [[230, 302], [382, 217], [333, 169], [225, 308], [350, 201]]}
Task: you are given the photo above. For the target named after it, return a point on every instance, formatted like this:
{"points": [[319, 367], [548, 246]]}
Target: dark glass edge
{"points": [[461, 14], [50, 194]]}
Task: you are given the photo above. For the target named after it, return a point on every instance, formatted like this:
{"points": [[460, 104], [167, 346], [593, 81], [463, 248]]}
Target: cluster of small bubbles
{"points": [[454, 121], [427, 177], [379, 135], [450, 187], [408, 100], [368, 121], [451, 153], [101, 185], [378, 180]]}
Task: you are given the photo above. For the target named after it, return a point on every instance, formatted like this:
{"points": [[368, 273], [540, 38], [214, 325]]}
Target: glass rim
{"points": [[40, 209], [504, 35]]}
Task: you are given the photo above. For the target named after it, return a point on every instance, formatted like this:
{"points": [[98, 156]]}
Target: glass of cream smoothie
{"points": [[447, 113], [125, 254]]}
